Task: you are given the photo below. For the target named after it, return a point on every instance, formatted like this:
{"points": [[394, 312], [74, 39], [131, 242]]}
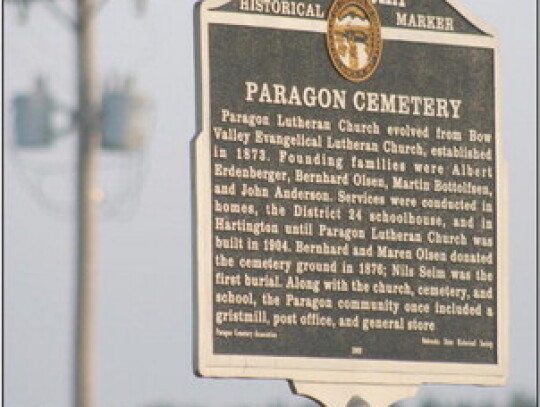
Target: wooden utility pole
{"points": [[87, 206], [89, 120]]}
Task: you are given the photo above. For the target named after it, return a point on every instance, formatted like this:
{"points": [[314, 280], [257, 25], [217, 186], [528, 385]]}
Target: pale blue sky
{"points": [[145, 299]]}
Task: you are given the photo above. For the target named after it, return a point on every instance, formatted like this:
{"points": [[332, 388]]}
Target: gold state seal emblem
{"points": [[354, 38]]}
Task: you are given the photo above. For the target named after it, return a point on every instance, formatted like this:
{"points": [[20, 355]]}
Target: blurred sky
{"points": [[145, 310]]}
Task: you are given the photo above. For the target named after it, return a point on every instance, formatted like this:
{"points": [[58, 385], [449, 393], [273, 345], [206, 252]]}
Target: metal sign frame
{"points": [[325, 370]]}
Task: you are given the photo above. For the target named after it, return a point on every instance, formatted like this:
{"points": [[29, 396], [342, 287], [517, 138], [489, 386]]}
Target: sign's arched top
{"points": [[422, 15]]}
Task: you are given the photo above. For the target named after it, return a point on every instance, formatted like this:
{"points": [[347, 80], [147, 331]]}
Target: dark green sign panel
{"points": [[349, 191]]}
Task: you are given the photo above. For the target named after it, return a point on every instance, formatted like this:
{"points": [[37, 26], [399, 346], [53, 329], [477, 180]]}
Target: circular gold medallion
{"points": [[354, 38]]}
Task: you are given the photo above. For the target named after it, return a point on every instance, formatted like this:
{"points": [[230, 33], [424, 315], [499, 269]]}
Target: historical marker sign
{"points": [[349, 193]]}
